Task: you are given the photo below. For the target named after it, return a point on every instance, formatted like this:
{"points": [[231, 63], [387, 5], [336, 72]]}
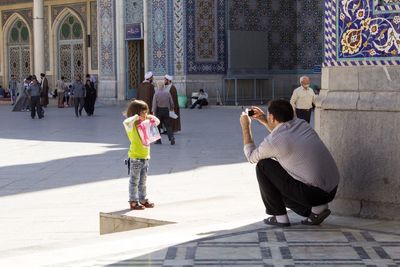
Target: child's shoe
{"points": [[147, 204], [136, 206]]}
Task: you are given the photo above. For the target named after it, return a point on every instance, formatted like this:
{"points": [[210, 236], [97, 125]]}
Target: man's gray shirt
{"points": [[162, 99], [300, 151], [34, 90], [12, 84], [78, 89]]}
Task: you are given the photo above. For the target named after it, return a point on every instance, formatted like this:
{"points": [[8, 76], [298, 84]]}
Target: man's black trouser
{"points": [[36, 107], [79, 103], [304, 114], [280, 190], [163, 115]]}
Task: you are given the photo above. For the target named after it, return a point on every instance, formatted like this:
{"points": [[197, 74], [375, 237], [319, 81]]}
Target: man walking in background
{"points": [[34, 91], [79, 93], [45, 90], [145, 90], [13, 87], [302, 99], [169, 87], [162, 105]]}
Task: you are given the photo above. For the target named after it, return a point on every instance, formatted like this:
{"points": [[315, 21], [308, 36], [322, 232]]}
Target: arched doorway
{"points": [[70, 49], [19, 54]]}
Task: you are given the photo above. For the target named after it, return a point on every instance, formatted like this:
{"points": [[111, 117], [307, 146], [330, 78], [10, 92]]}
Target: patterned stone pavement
{"points": [[260, 245]]}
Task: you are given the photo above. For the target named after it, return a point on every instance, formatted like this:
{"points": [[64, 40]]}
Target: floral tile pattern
{"points": [[362, 32]]}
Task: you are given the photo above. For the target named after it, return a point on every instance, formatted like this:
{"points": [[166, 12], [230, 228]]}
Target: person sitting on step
{"points": [[202, 100]]}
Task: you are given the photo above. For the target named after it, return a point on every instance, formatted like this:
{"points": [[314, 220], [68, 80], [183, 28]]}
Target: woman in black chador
{"points": [[90, 97]]}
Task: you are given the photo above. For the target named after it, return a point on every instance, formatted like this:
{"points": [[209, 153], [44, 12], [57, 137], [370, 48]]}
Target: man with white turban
{"points": [[145, 90], [176, 123]]}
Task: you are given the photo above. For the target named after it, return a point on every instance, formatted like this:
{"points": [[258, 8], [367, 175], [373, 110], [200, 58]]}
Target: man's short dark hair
{"points": [[281, 109]]}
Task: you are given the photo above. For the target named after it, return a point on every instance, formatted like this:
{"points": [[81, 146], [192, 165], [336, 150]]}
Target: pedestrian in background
{"points": [[169, 87], [45, 90], [34, 92], [303, 99], [13, 87], [162, 105], [145, 90], [22, 102], [61, 88], [90, 98], [78, 92]]}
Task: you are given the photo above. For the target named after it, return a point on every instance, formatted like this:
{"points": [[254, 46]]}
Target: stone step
{"points": [[5, 101], [113, 223]]}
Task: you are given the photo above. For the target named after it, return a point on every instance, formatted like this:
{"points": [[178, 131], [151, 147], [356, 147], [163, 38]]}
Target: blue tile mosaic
{"points": [[107, 37], [294, 29], [206, 36], [133, 11], [159, 25], [248, 15], [362, 32]]}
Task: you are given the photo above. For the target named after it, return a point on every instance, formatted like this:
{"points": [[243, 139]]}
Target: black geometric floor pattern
{"points": [[294, 246]]}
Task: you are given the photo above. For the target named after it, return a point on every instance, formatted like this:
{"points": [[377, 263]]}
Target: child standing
{"points": [[139, 154]]}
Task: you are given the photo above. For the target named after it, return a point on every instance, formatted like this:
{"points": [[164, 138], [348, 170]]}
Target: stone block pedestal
{"points": [[358, 118]]}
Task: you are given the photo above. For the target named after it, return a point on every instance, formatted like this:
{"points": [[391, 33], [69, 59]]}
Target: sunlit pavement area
{"points": [[57, 174]]}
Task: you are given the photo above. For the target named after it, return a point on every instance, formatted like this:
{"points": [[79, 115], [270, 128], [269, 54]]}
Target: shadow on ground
{"points": [[209, 137]]}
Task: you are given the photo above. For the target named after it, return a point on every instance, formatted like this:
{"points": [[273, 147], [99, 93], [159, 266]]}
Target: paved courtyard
{"points": [[59, 173]]}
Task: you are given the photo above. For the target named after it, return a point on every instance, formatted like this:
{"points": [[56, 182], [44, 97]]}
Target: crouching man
{"points": [[294, 169]]}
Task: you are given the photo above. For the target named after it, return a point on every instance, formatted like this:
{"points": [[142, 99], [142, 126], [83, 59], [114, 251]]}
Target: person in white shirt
{"points": [[294, 168], [202, 99], [302, 99]]}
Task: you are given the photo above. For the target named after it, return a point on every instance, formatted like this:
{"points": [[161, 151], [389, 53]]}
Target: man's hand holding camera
{"points": [[255, 113], [245, 121]]}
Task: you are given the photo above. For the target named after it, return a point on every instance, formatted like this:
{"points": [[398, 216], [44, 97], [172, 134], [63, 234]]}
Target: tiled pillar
{"points": [[146, 34], [358, 116], [120, 49], [107, 88], [38, 38]]}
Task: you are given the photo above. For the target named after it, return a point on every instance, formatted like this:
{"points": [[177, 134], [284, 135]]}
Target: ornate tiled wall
{"points": [[362, 32], [106, 11], [294, 28], [134, 11], [25, 13], [9, 2], [94, 36], [282, 35], [161, 39], [295, 41], [248, 15], [310, 33], [179, 49], [206, 36], [80, 9]]}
